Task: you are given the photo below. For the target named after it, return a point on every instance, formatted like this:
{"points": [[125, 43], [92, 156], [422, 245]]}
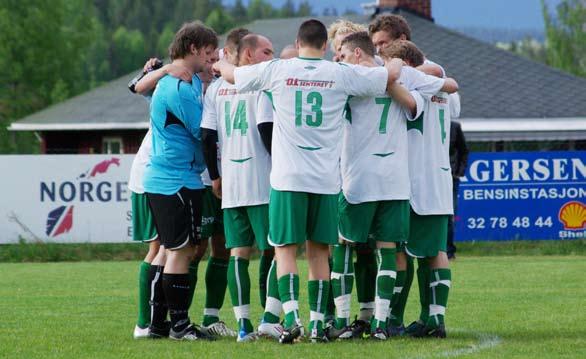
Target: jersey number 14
{"points": [[239, 122]]}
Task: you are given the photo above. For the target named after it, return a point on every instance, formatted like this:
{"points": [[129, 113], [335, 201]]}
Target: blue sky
{"points": [[506, 14]]}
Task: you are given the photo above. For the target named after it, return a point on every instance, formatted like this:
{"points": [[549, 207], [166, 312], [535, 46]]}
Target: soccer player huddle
{"points": [[345, 156]]}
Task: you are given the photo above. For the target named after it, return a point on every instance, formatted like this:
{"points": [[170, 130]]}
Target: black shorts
{"points": [[177, 217]]}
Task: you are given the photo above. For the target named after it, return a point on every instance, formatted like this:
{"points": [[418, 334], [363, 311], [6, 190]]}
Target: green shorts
{"points": [[143, 223], [211, 214], [244, 225], [297, 216], [428, 235], [386, 221]]}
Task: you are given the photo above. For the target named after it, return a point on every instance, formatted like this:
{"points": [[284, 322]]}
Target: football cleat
{"points": [[431, 332], [271, 330], [395, 331], [292, 334], [339, 334], [360, 328], [246, 337], [140, 333], [160, 333], [318, 336], [414, 328], [219, 329], [191, 333], [379, 334]]}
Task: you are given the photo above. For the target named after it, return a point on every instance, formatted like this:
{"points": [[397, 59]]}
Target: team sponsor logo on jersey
{"points": [[309, 83], [439, 99], [233, 92]]}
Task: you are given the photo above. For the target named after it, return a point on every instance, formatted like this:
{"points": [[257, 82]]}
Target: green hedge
{"points": [[43, 252]]}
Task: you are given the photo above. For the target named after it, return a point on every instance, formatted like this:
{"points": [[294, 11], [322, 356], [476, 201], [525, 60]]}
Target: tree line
{"points": [[53, 50]]}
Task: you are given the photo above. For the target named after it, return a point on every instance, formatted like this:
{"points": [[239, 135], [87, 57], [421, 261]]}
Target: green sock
{"points": [[273, 304], [423, 272], [365, 272], [318, 292], [385, 285], [144, 294], [192, 279], [239, 286], [399, 310], [396, 317], [331, 306], [342, 281], [289, 292], [439, 288], [216, 283], [263, 273]]}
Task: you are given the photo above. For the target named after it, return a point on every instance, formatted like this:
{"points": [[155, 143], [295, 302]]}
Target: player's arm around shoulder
{"points": [[411, 101], [149, 81], [363, 81], [249, 77], [432, 69]]}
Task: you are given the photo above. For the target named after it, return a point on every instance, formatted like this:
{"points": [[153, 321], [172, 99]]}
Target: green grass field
{"points": [[518, 306]]}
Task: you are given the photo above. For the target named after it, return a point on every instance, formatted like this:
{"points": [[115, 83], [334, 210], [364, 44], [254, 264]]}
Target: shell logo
{"points": [[573, 215]]}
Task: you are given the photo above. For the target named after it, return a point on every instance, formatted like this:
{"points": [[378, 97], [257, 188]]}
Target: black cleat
{"points": [[414, 328], [395, 331], [292, 334], [360, 329], [342, 334], [190, 332], [431, 332], [160, 332], [318, 337]]}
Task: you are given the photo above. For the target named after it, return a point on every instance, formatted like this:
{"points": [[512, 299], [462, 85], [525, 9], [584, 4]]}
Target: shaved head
{"points": [[289, 52], [254, 48]]}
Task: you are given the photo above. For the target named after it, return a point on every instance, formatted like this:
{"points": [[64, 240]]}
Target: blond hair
{"points": [[343, 27]]}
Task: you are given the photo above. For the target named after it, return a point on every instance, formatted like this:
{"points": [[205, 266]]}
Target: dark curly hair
{"points": [[394, 25]]}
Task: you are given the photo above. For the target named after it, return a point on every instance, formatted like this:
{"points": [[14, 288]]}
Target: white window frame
{"points": [[107, 143]]}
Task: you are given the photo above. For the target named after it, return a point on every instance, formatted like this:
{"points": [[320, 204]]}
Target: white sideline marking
{"points": [[485, 341]]}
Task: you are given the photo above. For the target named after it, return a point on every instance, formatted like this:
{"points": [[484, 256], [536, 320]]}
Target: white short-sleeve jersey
{"points": [[139, 163], [309, 96], [246, 164], [374, 156], [429, 158]]}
